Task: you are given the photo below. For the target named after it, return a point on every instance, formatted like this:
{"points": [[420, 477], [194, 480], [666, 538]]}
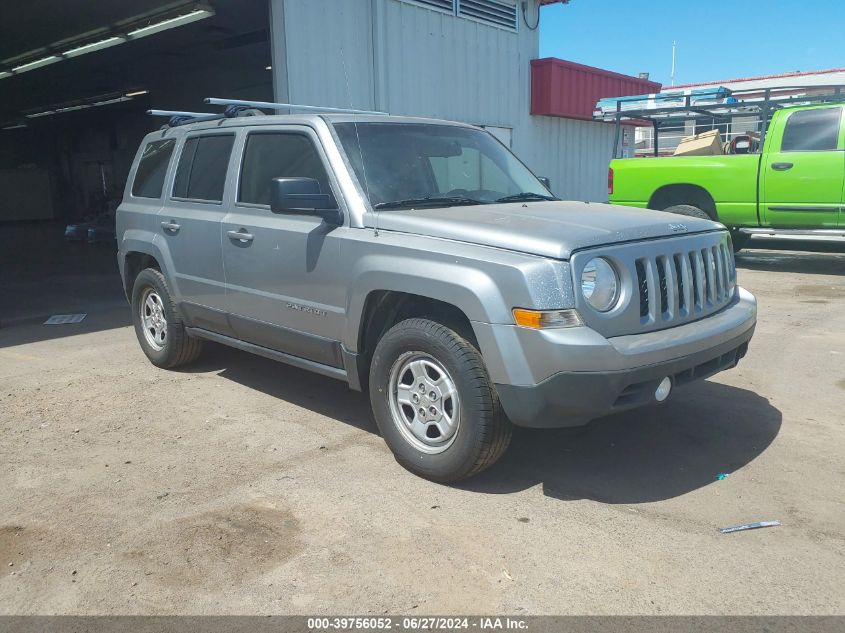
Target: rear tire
{"points": [[158, 323], [434, 403], [688, 210]]}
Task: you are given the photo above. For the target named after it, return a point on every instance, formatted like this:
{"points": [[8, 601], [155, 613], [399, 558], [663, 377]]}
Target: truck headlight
{"points": [[600, 284]]}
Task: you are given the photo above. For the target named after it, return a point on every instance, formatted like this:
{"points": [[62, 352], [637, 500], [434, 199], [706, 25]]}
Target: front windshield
{"points": [[405, 165]]}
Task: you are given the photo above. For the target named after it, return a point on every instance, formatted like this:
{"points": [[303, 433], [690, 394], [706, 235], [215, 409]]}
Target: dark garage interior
{"points": [[70, 128]]}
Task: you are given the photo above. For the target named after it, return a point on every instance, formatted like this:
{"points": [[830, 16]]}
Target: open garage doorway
{"points": [[76, 80]]}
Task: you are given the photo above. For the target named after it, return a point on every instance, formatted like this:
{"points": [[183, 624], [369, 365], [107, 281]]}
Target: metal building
{"points": [[77, 76], [464, 60]]}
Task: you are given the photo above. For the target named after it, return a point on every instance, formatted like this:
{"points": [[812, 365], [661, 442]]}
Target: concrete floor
{"points": [[243, 486]]}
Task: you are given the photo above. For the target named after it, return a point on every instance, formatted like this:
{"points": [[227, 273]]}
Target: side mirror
{"points": [[303, 196], [546, 182]]}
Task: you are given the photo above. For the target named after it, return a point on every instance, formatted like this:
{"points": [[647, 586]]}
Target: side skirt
{"points": [[302, 363]]}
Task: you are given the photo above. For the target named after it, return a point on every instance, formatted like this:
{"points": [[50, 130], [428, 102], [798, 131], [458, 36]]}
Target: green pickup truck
{"points": [[793, 185]]}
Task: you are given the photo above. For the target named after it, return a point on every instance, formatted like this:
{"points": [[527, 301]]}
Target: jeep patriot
{"points": [[422, 262]]}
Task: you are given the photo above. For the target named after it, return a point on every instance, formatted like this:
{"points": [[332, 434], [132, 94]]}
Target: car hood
{"points": [[550, 229]]}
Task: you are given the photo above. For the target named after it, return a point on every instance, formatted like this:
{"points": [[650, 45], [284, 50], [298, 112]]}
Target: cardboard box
{"points": [[704, 144]]}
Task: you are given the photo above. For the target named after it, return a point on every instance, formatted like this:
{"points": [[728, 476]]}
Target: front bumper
{"points": [[567, 377]]}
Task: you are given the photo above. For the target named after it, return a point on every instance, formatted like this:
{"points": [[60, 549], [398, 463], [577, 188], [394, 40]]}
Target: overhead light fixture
{"points": [[35, 115], [82, 106], [268, 68], [130, 31], [199, 13], [94, 46], [90, 103], [137, 93], [110, 101], [16, 126], [38, 63]]}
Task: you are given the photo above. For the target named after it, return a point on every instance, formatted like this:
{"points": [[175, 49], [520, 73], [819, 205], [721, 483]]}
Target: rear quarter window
{"points": [[149, 177]]}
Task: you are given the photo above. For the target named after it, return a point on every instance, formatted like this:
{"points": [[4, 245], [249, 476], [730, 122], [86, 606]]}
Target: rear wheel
{"points": [[688, 210], [158, 323], [434, 403]]}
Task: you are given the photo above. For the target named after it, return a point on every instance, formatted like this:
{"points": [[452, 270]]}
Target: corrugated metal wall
{"points": [[408, 60]]}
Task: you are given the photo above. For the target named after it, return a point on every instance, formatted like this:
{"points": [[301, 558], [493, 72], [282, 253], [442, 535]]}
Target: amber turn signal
{"points": [[541, 319]]}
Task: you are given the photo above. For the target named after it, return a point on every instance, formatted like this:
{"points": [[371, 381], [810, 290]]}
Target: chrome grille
{"points": [[677, 285], [665, 282]]}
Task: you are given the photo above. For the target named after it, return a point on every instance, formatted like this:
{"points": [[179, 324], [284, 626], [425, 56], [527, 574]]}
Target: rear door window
{"points": [[149, 177], [270, 155], [811, 130], [201, 174]]}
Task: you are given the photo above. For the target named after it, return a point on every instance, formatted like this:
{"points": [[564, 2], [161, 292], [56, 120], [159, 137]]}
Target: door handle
{"points": [[170, 226], [781, 166], [240, 235]]}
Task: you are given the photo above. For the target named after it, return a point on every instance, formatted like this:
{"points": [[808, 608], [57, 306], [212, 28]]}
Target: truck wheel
{"points": [[739, 240], [688, 210], [434, 403], [158, 324]]}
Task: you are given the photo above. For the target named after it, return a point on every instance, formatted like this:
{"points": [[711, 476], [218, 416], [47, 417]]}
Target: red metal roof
{"points": [[797, 73], [566, 89]]}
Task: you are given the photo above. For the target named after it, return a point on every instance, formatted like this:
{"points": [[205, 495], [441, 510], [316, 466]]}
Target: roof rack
{"points": [[718, 102], [238, 108], [285, 106], [179, 117]]}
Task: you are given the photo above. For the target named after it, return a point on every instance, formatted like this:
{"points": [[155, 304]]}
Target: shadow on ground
{"points": [[322, 395], [41, 274], [639, 456], [809, 257], [645, 455]]}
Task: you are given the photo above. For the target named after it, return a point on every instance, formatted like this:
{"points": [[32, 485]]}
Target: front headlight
{"points": [[600, 284]]}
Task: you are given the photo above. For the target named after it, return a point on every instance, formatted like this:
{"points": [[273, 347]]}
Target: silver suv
{"points": [[422, 261]]}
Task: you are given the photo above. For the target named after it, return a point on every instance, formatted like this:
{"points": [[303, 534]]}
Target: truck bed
{"points": [[730, 179]]}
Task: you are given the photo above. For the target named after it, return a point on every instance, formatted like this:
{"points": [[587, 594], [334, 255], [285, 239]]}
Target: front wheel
{"points": [[739, 240], [434, 403]]}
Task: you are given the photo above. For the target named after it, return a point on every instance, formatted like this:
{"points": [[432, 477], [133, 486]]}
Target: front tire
{"points": [[739, 240], [434, 403], [158, 323]]}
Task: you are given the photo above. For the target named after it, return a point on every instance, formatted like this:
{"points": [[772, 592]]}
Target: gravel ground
{"points": [[243, 486]]}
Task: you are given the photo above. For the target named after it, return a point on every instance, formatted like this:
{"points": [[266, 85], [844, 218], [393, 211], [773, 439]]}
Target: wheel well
{"points": [[385, 308], [134, 263], [671, 195]]}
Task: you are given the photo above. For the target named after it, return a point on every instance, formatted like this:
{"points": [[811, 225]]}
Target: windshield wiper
{"points": [[428, 201], [526, 196]]}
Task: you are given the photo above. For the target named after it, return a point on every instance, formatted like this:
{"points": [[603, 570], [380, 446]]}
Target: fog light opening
{"points": [[663, 389]]}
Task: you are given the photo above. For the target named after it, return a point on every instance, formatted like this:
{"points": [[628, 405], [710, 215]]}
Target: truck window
{"points": [[270, 155], [201, 173], [149, 177], [811, 130]]}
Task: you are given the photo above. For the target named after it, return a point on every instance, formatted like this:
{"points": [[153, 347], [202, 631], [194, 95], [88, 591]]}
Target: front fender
{"points": [[469, 289]]}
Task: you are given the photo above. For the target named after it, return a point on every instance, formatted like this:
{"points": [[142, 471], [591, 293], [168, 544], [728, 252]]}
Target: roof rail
{"points": [[179, 117], [285, 106]]}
